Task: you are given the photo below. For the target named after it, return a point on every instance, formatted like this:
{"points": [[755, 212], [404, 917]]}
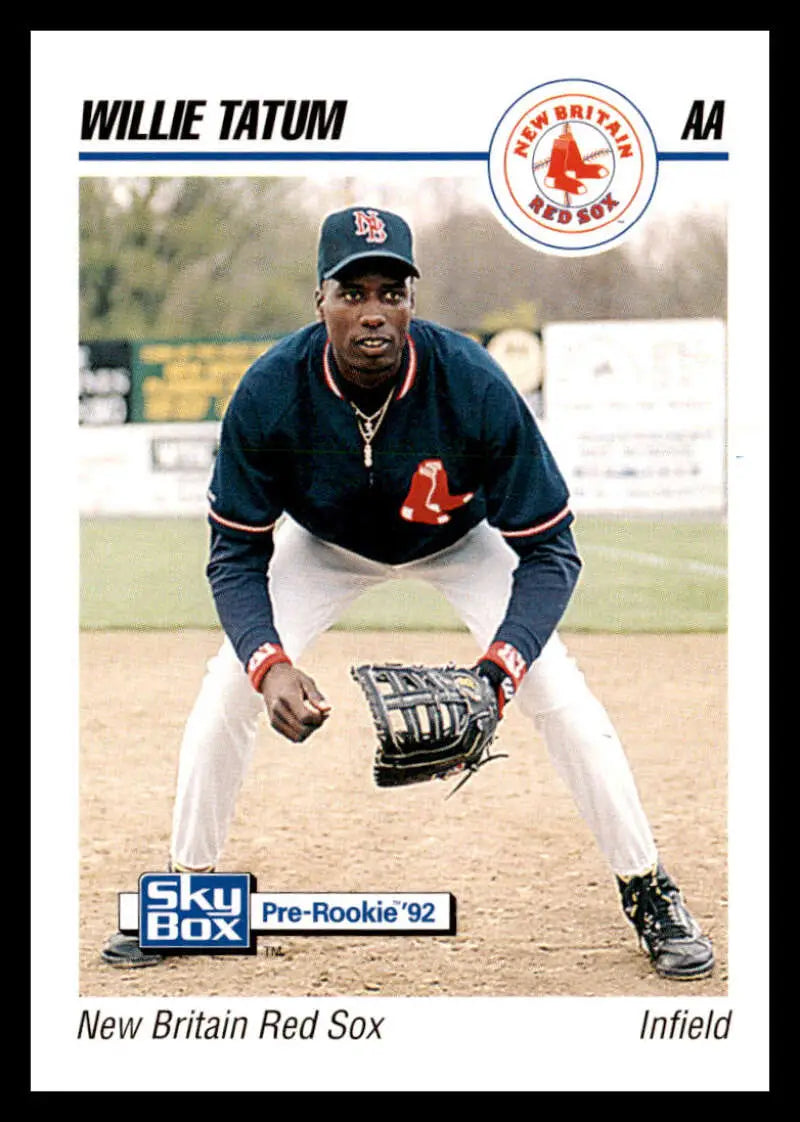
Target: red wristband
{"points": [[509, 660], [267, 655]]}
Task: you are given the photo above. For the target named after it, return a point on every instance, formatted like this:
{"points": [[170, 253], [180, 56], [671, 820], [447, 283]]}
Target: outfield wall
{"points": [[146, 469], [635, 413]]}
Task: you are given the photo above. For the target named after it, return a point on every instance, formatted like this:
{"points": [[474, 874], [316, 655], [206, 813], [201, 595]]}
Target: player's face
{"points": [[367, 317]]}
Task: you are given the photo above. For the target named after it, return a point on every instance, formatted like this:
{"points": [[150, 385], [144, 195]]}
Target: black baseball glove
{"points": [[431, 721]]}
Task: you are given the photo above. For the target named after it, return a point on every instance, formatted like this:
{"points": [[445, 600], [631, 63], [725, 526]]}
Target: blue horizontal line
{"points": [[363, 156], [692, 155], [281, 156]]}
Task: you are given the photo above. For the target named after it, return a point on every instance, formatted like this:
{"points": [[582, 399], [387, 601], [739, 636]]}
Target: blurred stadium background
{"points": [[620, 355]]}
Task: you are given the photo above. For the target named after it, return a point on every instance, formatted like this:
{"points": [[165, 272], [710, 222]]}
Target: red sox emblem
{"points": [[429, 499], [370, 225], [567, 167], [572, 166]]}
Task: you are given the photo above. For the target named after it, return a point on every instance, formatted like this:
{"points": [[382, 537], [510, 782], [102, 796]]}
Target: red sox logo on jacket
{"points": [[429, 499]]}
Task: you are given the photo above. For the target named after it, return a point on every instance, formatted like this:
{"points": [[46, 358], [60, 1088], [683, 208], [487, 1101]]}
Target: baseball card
{"points": [[411, 727]]}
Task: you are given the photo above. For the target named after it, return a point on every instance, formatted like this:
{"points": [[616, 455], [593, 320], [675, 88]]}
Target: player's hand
{"points": [[295, 706]]}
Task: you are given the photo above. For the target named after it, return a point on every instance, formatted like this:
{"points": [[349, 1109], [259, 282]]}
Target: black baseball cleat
{"points": [[124, 950], [667, 931]]}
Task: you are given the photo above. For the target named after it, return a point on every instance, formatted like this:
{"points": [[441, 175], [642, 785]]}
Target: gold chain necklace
{"points": [[368, 425]]}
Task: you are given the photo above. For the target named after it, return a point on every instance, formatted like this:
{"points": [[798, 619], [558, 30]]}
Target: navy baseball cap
{"points": [[362, 232]]}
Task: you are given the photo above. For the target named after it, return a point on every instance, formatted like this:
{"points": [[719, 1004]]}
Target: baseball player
{"points": [[372, 445]]}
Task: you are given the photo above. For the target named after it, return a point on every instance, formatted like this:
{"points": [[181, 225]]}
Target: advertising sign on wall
{"points": [[636, 413]]}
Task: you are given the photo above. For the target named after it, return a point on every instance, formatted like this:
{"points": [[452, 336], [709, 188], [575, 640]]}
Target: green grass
{"points": [[144, 573], [657, 576], [639, 575]]}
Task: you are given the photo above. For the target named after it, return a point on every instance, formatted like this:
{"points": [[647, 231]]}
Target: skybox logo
{"points": [[572, 166], [195, 911]]}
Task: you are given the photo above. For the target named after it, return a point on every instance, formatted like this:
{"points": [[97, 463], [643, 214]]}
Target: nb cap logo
{"points": [[370, 225], [572, 167]]}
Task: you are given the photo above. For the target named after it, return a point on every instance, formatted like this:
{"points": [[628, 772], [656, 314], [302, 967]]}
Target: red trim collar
{"points": [[407, 383]]}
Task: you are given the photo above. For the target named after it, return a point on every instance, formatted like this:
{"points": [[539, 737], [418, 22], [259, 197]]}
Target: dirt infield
{"points": [[538, 912]]}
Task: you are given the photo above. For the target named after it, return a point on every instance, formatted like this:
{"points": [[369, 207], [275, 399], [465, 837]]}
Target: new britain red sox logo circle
{"points": [[572, 166]]}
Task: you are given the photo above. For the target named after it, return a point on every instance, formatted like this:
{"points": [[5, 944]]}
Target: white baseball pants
{"points": [[311, 584]]}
